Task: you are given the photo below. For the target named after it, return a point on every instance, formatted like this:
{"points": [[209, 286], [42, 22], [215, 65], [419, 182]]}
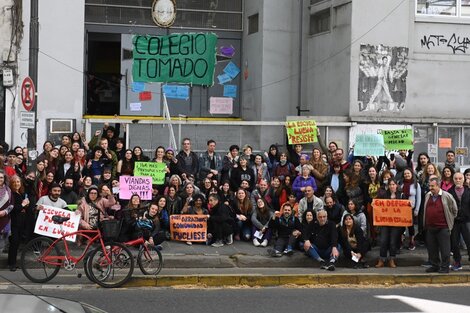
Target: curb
{"points": [[299, 280]]}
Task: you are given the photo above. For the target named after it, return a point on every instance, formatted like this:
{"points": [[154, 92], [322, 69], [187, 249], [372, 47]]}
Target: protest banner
{"points": [[153, 169], [392, 212], [177, 58], [369, 144], [130, 185], [188, 227], [398, 139], [299, 132], [46, 227]]}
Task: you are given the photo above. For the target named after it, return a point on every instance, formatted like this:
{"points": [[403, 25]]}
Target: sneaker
{"points": [[256, 242], [288, 251], [443, 270], [189, 243], [457, 266], [264, 243], [229, 239], [323, 265], [411, 247], [218, 244], [432, 269], [276, 254], [427, 264], [330, 267]]}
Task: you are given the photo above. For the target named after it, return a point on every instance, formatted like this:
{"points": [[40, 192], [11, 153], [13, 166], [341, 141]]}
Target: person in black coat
{"points": [[321, 241], [220, 223], [288, 230], [352, 241]]}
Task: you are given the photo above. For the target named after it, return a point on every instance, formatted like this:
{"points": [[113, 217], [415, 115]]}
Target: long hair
{"points": [[344, 229], [245, 206]]}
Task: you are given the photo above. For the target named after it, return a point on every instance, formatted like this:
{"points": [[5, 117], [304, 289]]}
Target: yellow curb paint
{"points": [[141, 282], [259, 280], [337, 279], [413, 279], [220, 280], [299, 280], [168, 281], [371, 279], [448, 279]]}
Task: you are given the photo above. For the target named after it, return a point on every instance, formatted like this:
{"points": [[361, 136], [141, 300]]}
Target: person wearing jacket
{"points": [[353, 242], [188, 162], [461, 195], [390, 235], [440, 210], [260, 221], [321, 241], [93, 208], [288, 229], [412, 191], [310, 202], [302, 181], [242, 172], [220, 223], [210, 163]]}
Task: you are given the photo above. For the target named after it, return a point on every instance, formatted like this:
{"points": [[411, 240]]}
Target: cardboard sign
{"points": [[130, 185], [398, 139], [445, 143], [188, 228], [46, 227], [392, 212], [153, 169], [299, 132], [369, 144]]}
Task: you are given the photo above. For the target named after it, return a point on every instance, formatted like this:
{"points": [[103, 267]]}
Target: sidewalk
{"points": [[243, 264]]}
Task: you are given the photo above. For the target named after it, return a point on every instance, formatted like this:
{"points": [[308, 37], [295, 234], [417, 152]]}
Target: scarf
{"points": [[406, 187]]}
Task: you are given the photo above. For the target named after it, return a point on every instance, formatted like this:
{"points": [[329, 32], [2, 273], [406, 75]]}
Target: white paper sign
{"points": [[135, 106], [46, 227], [220, 105]]}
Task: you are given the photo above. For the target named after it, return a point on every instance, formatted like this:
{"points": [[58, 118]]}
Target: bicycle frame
{"points": [[90, 235]]}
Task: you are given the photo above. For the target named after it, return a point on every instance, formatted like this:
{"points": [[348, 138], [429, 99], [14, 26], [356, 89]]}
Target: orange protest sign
{"points": [[391, 212], [188, 227]]}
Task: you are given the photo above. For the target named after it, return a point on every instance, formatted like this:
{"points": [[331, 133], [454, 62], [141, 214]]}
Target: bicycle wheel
{"points": [[33, 268], [86, 259], [115, 272], [150, 260]]}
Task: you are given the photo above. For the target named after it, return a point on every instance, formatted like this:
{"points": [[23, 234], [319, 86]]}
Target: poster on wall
{"points": [[382, 78]]}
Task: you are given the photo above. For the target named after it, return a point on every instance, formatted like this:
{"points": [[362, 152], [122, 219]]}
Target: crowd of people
{"points": [[318, 202]]}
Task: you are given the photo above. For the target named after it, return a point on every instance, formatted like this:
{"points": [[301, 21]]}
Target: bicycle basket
{"points": [[110, 229]]}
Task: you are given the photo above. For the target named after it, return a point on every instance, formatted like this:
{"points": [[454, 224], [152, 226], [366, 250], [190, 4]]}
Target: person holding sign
{"points": [[440, 210], [389, 235], [93, 208]]}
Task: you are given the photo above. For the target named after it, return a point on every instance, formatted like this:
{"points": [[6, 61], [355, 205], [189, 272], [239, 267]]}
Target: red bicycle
{"points": [[149, 258], [111, 264]]}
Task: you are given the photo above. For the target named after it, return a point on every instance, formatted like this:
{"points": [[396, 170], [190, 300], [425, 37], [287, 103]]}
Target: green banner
{"points": [[299, 132], [177, 58], [398, 139], [153, 169]]}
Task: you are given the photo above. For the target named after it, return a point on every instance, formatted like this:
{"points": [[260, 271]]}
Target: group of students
{"points": [[318, 201]]}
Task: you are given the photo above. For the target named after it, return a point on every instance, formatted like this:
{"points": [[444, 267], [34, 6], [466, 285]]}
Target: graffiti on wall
{"points": [[454, 42], [382, 78]]}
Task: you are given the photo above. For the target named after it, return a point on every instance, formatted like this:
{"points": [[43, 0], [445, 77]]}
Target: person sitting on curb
{"points": [[354, 243], [288, 229], [321, 241]]}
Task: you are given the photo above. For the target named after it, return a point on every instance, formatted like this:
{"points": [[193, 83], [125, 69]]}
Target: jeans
{"points": [[438, 241], [316, 253], [244, 229], [285, 242], [460, 228], [389, 238]]}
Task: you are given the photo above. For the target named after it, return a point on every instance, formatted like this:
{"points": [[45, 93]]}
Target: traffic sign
{"points": [[28, 93]]}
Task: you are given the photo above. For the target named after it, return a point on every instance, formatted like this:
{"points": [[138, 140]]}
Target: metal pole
{"points": [[33, 66]]}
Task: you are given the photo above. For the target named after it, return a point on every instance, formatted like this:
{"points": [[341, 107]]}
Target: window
{"points": [[452, 8], [320, 22], [253, 24]]}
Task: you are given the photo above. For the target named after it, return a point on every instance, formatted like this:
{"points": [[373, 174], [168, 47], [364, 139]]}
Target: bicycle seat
{"points": [[59, 219]]}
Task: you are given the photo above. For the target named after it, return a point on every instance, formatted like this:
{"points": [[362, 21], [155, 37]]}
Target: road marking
{"points": [[429, 306]]}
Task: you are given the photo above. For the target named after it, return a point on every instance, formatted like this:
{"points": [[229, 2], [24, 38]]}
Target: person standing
{"points": [[188, 161], [440, 210]]}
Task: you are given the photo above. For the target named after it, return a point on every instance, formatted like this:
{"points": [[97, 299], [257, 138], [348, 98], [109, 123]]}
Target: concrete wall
{"points": [[328, 64]]}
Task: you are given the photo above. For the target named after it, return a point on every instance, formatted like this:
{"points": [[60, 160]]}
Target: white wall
{"points": [[60, 82]]}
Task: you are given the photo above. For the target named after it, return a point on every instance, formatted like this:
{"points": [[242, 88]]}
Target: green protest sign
{"points": [[153, 169], [299, 132], [369, 144], [398, 139], [177, 58]]}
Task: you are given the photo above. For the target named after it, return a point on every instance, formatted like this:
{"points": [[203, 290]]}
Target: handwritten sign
{"points": [[130, 185], [445, 143], [461, 151], [299, 132], [188, 228], [179, 58], [46, 227], [232, 70], [219, 105], [153, 169], [369, 144], [176, 92], [391, 212], [398, 139]]}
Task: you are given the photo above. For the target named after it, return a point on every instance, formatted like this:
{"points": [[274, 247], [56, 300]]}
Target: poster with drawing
{"points": [[382, 78]]}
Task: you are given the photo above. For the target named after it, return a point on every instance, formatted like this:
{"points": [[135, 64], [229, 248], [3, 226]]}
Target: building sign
{"points": [[27, 120], [177, 58]]}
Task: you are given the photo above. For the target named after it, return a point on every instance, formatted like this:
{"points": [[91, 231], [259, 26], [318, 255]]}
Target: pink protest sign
{"points": [[221, 105], [140, 185]]}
